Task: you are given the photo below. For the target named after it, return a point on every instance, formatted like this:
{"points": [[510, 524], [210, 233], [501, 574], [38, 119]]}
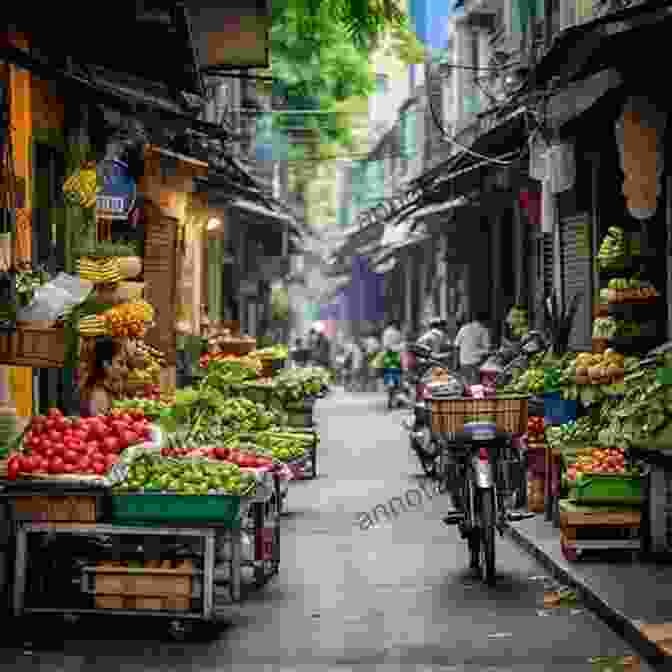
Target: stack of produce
{"points": [[81, 188], [293, 385], [531, 381], [148, 408], [597, 461], [93, 325], [76, 446], [517, 319], [622, 290], [100, 271], [643, 416], [613, 250], [195, 477], [581, 432], [272, 352], [604, 328], [592, 378], [227, 373], [129, 319], [599, 369]]}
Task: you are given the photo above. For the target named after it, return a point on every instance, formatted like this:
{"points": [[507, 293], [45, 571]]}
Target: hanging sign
{"points": [[118, 192]]}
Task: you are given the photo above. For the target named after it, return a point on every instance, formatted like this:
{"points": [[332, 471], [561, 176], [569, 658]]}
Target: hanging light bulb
{"points": [[214, 223]]}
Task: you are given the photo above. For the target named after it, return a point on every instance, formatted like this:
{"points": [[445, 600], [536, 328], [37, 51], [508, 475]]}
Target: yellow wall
{"points": [[21, 378]]}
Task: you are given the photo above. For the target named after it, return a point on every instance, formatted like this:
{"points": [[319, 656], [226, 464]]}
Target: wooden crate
{"points": [[598, 528], [56, 509], [535, 495], [34, 347], [146, 588]]}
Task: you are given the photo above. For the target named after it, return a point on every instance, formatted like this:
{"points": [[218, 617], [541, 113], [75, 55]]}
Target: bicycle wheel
{"points": [[487, 501]]}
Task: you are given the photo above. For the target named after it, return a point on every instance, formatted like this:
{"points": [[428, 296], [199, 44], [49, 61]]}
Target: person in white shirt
{"points": [[392, 338], [474, 344]]}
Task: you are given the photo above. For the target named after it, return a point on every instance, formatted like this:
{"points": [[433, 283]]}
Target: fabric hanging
{"points": [[561, 166]]}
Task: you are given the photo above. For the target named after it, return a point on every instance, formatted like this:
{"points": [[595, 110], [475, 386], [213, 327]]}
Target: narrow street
{"points": [[395, 596]]}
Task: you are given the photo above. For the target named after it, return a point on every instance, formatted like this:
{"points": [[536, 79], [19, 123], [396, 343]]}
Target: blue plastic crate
{"points": [[558, 411], [392, 376]]}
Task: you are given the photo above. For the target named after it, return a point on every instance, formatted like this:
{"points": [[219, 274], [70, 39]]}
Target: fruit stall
{"points": [[600, 444], [164, 506]]}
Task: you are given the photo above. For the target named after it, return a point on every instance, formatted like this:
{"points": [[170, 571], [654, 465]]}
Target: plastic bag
{"points": [[55, 298]]}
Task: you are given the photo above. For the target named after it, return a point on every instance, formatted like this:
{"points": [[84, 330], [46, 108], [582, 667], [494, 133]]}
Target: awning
{"points": [[635, 34], [154, 44]]}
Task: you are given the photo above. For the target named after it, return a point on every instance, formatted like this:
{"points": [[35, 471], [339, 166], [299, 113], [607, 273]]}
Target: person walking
{"points": [[474, 344], [371, 349]]}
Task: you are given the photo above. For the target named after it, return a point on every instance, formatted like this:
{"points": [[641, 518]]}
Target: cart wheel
{"points": [[570, 554], [180, 630]]}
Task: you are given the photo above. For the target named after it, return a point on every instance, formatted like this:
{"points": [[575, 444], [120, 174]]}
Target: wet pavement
{"points": [[367, 582]]}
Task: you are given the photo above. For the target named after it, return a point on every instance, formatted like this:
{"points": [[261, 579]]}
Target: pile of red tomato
{"points": [[56, 444], [235, 456]]}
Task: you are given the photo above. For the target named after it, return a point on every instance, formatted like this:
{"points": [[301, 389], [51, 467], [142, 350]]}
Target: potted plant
{"points": [[560, 321]]}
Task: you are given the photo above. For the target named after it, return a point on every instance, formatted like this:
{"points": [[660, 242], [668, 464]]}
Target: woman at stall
{"points": [[107, 372]]}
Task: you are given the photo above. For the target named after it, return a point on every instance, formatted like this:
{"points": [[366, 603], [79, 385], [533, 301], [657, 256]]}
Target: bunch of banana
{"points": [[93, 325], [140, 376], [82, 187], [152, 355], [613, 249], [100, 271]]}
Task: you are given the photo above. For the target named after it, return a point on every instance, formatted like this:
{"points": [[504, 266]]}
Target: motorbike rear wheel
{"points": [[487, 536]]}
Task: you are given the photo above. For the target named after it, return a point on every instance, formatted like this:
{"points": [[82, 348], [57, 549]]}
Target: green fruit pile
{"points": [[297, 384], [613, 249], [152, 475], [531, 381]]}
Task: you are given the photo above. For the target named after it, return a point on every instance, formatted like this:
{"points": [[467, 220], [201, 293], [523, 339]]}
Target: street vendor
{"points": [[107, 372]]}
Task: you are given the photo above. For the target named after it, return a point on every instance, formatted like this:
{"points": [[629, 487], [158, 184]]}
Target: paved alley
{"points": [[396, 595]]}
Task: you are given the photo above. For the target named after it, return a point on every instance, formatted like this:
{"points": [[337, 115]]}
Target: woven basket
{"points": [[448, 415], [512, 415]]}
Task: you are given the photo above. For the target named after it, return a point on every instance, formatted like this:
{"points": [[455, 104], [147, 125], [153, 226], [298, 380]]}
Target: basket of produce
{"points": [[100, 271], [157, 489], [596, 488], [614, 249], [481, 409], [448, 415], [512, 414], [604, 368], [633, 290]]}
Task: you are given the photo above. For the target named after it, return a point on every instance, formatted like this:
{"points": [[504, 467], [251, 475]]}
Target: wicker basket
{"points": [[237, 347], [449, 415], [512, 415]]}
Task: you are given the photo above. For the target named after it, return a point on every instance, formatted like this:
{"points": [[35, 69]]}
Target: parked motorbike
{"points": [[481, 474], [499, 367], [424, 442]]}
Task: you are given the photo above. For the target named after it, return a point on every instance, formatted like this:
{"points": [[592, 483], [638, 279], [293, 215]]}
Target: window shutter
{"points": [[577, 277]]}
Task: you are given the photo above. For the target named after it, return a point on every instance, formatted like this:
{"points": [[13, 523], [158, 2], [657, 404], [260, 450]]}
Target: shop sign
{"points": [[118, 190]]}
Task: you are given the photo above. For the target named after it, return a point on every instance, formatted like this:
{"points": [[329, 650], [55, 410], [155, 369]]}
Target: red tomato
{"points": [[81, 434], [55, 436], [92, 447], [26, 464], [69, 468], [119, 427], [138, 428], [13, 467], [76, 423], [97, 457], [129, 439], [35, 462], [97, 430], [221, 453], [50, 425], [126, 417], [49, 453], [111, 460], [111, 445], [43, 466], [36, 443], [71, 457], [56, 465], [83, 465], [62, 424], [100, 468], [59, 449], [54, 413]]}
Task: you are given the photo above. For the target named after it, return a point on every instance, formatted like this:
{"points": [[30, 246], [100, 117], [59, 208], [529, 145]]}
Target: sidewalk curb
{"points": [[615, 619]]}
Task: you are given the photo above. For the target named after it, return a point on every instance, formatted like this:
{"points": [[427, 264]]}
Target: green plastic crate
{"points": [[607, 489], [219, 509]]}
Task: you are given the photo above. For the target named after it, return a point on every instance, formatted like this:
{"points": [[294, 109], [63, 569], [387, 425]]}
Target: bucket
{"points": [[559, 411]]}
